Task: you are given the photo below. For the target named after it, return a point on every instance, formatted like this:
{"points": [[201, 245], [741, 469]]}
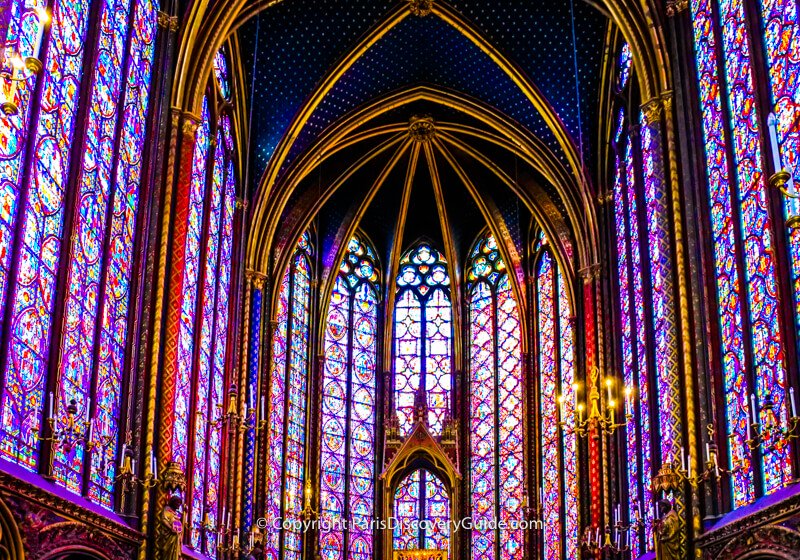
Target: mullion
{"points": [[289, 325], [348, 405], [734, 181], [214, 325], [496, 412]]}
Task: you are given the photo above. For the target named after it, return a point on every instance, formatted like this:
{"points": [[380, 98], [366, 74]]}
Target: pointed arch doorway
{"points": [[421, 499]]}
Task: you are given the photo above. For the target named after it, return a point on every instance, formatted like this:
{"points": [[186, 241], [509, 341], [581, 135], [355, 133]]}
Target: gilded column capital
{"points": [[651, 110], [666, 101], [241, 204], [605, 197], [256, 277], [420, 8], [675, 7], [589, 273], [189, 125], [166, 21]]}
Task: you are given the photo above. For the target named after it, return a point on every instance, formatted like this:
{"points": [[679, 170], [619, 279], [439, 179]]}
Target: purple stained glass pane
{"points": [[288, 405], [483, 388], [86, 249], [569, 444], [495, 404], [347, 457], [114, 319], [204, 413], [423, 323], [31, 299], [221, 73], [191, 279], [549, 383], [758, 254]]}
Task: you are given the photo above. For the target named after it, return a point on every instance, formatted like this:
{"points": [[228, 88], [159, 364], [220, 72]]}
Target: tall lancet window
{"points": [[68, 217], [751, 335], [288, 404], [556, 370], [204, 338], [636, 370], [347, 449], [496, 383], [422, 513], [423, 337]]}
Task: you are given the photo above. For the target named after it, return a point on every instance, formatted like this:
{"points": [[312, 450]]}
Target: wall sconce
{"points": [[782, 179], [769, 433], [32, 63], [72, 432], [308, 513]]}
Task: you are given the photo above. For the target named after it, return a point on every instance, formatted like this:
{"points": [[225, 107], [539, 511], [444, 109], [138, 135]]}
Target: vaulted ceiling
{"points": [[314, 64]]}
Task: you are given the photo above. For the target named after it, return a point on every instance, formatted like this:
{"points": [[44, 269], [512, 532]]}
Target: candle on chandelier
{"points": [[50, 407], [153, 465], [44, 18], [263, 409], [791, 401], [608, 386], [628, 407], [122, 454], [753, 408], [562, 408], [772, 123]]}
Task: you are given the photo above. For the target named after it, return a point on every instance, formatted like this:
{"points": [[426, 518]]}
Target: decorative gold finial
{"points": [[420, 8], [421, 128], [652, 110]]}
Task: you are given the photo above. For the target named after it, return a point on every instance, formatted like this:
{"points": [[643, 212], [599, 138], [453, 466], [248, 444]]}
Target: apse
{"points": [[399, 279]]}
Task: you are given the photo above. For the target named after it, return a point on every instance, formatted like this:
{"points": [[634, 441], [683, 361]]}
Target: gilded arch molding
{"points": [[506, 135], [208, 24]]}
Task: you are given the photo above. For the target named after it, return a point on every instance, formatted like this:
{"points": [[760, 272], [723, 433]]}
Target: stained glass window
{"points": [[288, 399], [201, 395], [221, 73], [781, 31], [99, 252], [422, 513], [633, 341], [744, 256], [347, 455], [556, 369], [496, 384], [423, 336], [625, 64]]}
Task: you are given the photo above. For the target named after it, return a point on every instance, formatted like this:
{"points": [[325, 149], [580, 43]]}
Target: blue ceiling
{"points": [[292, 45]]}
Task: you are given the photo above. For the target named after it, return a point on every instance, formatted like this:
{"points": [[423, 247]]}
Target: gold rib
{"points": [[327, 284], [449, 251], [497, 232], [394, 258], [544, 222], [283, 260]]}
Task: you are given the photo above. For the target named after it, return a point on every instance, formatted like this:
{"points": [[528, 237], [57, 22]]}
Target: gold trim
{"points": [[449, 247], [396, 251], [380, 180]]}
